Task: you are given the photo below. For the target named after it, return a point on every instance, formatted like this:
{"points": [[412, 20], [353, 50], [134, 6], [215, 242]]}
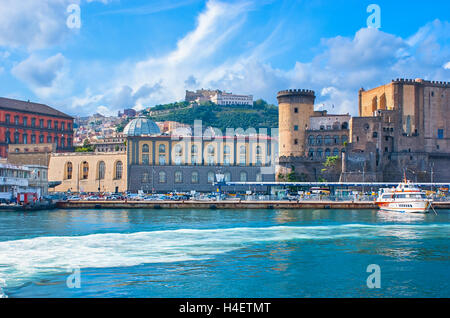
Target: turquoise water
{"points": [[223, 253]]}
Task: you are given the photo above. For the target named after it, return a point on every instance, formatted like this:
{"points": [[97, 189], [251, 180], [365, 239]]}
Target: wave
{"points": [[25, 258]]}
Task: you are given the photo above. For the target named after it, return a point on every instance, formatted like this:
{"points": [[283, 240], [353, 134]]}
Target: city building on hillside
{"points": [[218, 97], [110, 144], [24, 122]]}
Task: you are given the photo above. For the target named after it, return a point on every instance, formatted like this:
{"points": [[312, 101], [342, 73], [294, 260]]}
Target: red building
{"points": [[31, 123]]}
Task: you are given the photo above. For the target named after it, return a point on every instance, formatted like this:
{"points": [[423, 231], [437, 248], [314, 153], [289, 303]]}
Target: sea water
{"points": [[223, 253]]}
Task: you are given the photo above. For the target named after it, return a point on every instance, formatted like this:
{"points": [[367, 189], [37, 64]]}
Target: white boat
{"points": [[405, 198]]}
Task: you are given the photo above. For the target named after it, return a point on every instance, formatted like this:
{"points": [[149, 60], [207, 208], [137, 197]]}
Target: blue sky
{"points": [[138, 53]]}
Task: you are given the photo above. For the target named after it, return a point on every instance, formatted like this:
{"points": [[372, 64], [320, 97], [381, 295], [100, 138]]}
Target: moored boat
{"points": [[405, 198]]}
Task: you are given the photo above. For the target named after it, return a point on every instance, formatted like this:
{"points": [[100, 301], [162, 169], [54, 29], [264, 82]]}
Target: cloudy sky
{"points": [[138, 53]]}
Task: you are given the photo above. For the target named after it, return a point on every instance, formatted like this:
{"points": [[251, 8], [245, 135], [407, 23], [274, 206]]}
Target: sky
{"points": [[137, 54]]}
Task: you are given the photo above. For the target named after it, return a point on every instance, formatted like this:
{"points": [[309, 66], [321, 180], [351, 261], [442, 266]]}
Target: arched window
{"points": [[319, 140], [178, 177], [327, 152], [119, 169], [335, 152], [344, 125], [311, 152], [101, 170], [145, 148], [336, 139], [178, 150], [210, 150], [243, 176], [194, 177], [319, 152], [311, 140], [344, 138], [84, 170], [194, 149], [258, 150], [328, 140], [162, 177], [68, 170], [227, 176], [162, 148], [226, 150]]}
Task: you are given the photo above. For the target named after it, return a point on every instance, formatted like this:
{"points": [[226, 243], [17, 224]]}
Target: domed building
{"points": [[141, 126]]}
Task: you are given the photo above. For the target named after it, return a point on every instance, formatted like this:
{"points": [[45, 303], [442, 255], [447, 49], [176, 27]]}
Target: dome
{"points": [[141, 126]]}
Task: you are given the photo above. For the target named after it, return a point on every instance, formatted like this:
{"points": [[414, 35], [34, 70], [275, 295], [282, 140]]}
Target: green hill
{"points": [[261, 115]]}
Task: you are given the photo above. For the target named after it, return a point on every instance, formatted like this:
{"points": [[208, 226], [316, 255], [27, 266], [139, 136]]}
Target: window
{"points": [[8, 137], [243, 176], [84, 170], [33, 122], [25, 138], [145, 159], [68, 170], [336, 140], [311, 140], [41, 123], [69, 126], [335, 152], [319, 140], [101, 170], [295, 110], [56, 125], [145, 148], [311, 152], [194, 177], [328, 140], [33, 139], [56, 140], [242, 155], [119, 169], [16, 120], [327, 152], [162, 160], [49, 124], [63, 126], [25, 121], [226, 150], [295, 127], [178, 177], [145, 177], [227, 176], [41, 139], [162, 177], [63, 142], [162, 148], [319, 152], [210, 177], [16, 137], [7, 118], [440, 133], [259, 177], [375, 134], [194, 149]]}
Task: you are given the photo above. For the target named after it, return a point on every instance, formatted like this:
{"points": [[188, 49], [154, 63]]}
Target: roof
{"points": [[30, 107], [141, 127]]}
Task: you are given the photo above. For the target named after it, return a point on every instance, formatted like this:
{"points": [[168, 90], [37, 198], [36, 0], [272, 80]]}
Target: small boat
{"points": [[405, 198]]}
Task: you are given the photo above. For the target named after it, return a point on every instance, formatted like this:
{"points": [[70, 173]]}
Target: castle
{"points": [[402, 126]]}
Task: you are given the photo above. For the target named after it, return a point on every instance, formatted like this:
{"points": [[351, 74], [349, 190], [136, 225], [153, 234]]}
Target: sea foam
{"points": [[22, 259]]}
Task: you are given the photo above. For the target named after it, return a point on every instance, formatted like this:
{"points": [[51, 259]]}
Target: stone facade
{"points": [[89, 171]]}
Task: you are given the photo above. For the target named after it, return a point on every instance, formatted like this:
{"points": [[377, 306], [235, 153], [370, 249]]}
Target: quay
{"points": [[244, 204]]}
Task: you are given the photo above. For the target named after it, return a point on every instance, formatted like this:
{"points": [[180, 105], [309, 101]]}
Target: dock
{"points": [[227, 204]]}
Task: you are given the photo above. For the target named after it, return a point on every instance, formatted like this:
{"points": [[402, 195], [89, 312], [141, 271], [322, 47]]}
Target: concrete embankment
{"points": [[227, 205]]}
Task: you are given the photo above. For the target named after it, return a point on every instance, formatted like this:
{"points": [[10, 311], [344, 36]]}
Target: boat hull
{"points": [[405, 207]]}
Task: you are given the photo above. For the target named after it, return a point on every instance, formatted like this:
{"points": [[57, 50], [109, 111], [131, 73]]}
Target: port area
{"points": [[225, 204]]}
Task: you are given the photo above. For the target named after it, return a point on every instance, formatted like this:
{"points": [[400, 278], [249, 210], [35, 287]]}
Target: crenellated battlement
{"points": [[421, 81], [299, 92]]}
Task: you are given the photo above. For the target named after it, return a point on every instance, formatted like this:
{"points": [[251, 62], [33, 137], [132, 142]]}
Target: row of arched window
{"points": [[326, 140], [320, 153], [195, 177], [101, 170]]}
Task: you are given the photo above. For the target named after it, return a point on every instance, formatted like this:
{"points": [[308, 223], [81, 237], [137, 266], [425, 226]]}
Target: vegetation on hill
{"points": [[261, 115]]}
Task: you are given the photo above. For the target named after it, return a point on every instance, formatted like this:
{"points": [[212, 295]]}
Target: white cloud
{"points": [[46, 77], [341, 66]]}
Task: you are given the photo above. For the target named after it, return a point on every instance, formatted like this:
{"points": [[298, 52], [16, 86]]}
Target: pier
{"points": [[227, 204]]}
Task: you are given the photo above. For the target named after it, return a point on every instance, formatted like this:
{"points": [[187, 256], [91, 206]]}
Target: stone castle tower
{"points": [[295, 107]]}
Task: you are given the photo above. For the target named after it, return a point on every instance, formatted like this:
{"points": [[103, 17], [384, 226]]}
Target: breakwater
{"points": [[192, 204]]}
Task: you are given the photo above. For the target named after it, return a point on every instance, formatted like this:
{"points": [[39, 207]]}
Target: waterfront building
{"points": [[13, 180], [154, 162], [25, 122], [402, 126], [89, 171], [38, 179]]}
